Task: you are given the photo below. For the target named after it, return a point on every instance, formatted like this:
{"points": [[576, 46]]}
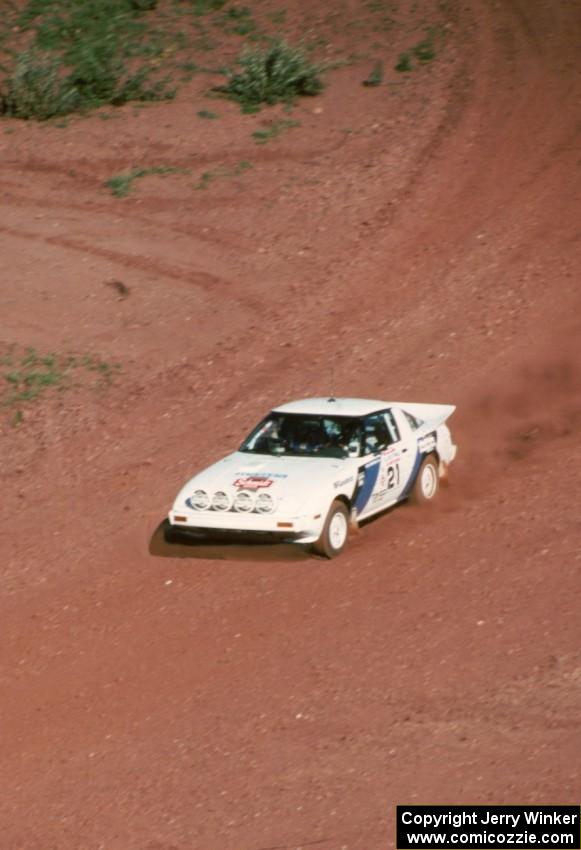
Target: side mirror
{"points": [[353, 449]]}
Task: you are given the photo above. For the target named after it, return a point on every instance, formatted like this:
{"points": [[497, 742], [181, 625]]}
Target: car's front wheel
{"points": [[335, 532]]}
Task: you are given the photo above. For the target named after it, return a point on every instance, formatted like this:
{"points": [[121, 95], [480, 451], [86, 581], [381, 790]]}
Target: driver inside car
{"points": [[309, 437]]}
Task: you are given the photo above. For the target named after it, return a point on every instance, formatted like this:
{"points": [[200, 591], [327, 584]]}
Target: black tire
{"points": [[335, 532], [427, 482]]}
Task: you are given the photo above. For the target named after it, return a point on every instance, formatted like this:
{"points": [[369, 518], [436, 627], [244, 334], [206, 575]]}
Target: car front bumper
{"points": [[250, 525]]}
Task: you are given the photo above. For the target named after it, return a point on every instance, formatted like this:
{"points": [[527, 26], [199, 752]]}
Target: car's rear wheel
{"points": [[335, 532], [427, 481]]}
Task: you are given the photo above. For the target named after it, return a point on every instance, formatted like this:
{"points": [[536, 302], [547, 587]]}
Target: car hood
{"points": [[292, 480]]}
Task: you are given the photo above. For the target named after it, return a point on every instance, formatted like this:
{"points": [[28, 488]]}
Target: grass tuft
{"points": [[122, 184], [404, 63], [27, 377], [375, 78], [36, 88], [279, 73], [238, 20], [274, 130], [208, 177], [423, 52]]}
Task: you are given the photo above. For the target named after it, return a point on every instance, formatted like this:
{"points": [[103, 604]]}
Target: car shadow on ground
{"points": [[167, 543]]}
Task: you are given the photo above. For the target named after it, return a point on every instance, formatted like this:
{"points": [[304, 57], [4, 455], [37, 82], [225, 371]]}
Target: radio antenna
{"points": [[332, 396]]}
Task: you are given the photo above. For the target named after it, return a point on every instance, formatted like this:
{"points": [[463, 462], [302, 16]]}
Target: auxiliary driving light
{"points": [[244, 502], [264, 503], [221, 501], [200, 500]]}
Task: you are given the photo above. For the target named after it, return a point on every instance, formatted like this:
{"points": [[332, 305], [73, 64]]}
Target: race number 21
{"points": [[392, 476]]}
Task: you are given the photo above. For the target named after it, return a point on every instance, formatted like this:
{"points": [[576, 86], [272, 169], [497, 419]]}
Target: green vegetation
{"points": [[75, 55], [122, 184], [279, 73], [404, 63], [61, 57], [36, 89], [202, 7], [423, 52], [208, 177], [26, 377], [375, 78], [82, 55], [188, 70], [274, 130], [238, 20]]}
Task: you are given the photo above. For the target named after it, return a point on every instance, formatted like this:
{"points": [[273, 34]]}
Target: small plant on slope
{"points": [[280, 73], [122, 184]]}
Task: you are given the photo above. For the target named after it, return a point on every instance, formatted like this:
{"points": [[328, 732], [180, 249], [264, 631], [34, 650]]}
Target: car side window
{"points": [[413, 420], [376, 436]]}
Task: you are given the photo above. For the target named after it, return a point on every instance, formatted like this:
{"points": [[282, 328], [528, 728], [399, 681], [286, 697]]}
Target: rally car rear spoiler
{"points": [[430, 414]]}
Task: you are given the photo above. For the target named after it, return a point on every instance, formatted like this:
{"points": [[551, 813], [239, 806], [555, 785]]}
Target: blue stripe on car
{"points": [[370, 472]]}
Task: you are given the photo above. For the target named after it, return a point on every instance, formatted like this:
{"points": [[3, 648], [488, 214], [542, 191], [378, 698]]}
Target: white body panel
{"points": [[300, 490]]}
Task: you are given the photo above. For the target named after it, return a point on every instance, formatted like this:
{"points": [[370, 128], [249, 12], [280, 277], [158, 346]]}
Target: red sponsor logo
{"points": [[252, 482]]}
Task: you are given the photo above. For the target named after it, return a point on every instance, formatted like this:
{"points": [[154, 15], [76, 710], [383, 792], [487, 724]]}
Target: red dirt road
{"points": [[421, 240]]}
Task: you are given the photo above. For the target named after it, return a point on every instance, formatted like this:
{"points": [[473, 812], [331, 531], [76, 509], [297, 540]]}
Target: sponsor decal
{"points": [[426, 444], [253, 482], [382, 479], [344, 482], [261, 475]]}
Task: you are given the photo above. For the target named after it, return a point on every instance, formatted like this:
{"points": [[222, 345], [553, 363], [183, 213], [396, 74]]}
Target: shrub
{"points": [[278, 73], [77, 59], [37, 89]]}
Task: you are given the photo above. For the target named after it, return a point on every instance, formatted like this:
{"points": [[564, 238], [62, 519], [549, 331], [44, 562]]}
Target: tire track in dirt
{"points": [[446, 207], [224, 238], [208, 283]]}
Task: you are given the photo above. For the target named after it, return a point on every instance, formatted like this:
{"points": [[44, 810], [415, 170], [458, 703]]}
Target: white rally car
{"points": [[313, 467]]}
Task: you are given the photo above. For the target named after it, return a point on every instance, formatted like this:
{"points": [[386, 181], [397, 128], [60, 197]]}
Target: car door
{"points": [[404, 453], [386, 463]]}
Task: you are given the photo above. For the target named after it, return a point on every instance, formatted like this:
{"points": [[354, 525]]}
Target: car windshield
{"points": [[303, 435]]}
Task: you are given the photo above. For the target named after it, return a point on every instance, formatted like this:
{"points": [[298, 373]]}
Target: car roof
{"points": [[334, 406]]}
